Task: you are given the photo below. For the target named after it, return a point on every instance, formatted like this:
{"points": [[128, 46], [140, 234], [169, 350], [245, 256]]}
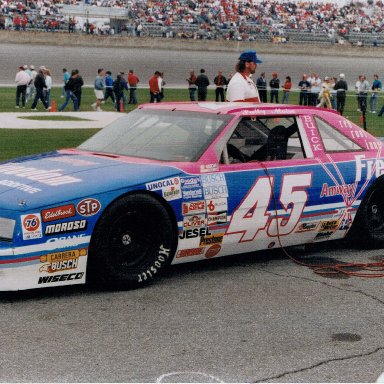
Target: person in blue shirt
{"points": [[99, 89], [376, 88], [109, 88], [66, 77]]}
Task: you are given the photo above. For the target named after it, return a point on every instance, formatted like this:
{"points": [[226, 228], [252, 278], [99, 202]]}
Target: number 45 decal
{"points": [[252, 214]]}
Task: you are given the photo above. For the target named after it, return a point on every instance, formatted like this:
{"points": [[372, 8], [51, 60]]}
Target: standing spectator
{"points": [[315, 89], [40, 85], [220, 81], [202, 83], [48, 82], [118, 88], [161, 81], [286, 90], [79, 82], [341, 88], [66, 77], [122, 74], [274, 84], [376, 88], [69, 92], [192, 85], [363, 93], [109, 88], [325, 94], [31, 87], [304, 86], [261, 84], [98, 89], [22, 79], [154, 90], [333, 93], [241, 86], [132, 81]]}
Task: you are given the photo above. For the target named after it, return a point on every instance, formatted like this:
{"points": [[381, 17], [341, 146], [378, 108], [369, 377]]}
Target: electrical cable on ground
{"points": [[373, 270]]}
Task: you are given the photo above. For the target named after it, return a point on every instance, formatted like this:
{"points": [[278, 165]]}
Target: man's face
{"points": [[251, 66]]}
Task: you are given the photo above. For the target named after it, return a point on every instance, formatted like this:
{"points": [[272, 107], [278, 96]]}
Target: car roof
{"points": [[235, 108]]}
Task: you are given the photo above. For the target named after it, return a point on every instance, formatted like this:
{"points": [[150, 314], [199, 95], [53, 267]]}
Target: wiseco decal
{"points": [[68, 226], [58, 213]]}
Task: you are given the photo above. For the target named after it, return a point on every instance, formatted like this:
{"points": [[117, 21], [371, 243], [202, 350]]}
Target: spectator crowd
{"points": [[228, 19], [329, 92]]}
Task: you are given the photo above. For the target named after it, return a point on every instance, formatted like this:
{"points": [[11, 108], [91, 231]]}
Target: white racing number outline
{"points": [[293, 198]]}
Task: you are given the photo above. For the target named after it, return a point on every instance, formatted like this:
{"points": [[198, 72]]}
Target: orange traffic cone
{"points": [[53, 106], [121, 106]]}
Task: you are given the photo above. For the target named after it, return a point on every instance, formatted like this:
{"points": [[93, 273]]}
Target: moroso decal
{"points": [[58, 213], [190, 252], [88, 207], [65, 227], [31, 226]]}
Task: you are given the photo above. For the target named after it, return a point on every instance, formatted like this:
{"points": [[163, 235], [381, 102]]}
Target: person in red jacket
{"points": [[132, 81], [286, 89], [154, 89]]}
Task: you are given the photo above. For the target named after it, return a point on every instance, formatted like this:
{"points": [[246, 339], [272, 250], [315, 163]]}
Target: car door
{"points": [[274, 185]]}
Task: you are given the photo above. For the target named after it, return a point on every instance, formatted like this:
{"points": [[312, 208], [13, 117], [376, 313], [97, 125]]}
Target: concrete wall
{"points": [[66, 39]]}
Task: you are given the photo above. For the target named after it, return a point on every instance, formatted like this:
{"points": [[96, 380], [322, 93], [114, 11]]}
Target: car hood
{"points": [[41, 180]]}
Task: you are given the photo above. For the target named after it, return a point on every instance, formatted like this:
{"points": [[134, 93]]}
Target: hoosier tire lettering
{"points": [[161, 258]]}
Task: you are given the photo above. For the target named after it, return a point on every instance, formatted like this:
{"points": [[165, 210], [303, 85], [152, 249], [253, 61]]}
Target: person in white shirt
{"points": [[48, 82], [22, 80], [241, 86]]}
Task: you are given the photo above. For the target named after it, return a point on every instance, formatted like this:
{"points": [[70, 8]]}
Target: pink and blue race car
{"points": [[178, 182]]}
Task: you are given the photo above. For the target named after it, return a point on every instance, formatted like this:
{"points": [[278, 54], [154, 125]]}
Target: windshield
{"points": [[159, 135]]}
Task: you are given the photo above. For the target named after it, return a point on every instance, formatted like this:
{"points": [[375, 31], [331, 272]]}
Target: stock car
{"points": [[179, 182]]}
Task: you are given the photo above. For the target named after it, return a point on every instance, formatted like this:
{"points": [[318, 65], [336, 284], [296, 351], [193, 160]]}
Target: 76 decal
{"points": [[252, 215], [31, 226]]}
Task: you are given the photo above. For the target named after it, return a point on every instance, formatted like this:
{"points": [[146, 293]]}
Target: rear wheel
{"points": [[132, 243], [368, 228]]}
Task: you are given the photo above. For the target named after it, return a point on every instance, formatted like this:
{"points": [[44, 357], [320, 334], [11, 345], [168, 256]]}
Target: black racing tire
{"points": [[132, 242], [368, 227]]}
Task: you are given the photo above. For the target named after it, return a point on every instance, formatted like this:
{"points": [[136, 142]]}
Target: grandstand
{"points": [[311, 22]]}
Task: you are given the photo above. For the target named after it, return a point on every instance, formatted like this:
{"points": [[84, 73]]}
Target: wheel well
{"points": [[162, 201]]}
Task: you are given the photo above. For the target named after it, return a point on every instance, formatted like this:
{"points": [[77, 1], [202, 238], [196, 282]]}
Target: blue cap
{"points": [[249, 56]]}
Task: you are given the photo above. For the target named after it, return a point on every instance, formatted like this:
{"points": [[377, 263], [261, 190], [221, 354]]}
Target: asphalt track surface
{"points": [[254, 318], [251, 318], [175, 64]]}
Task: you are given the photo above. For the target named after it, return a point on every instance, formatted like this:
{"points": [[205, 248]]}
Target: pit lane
{"points": [[251, 318]]}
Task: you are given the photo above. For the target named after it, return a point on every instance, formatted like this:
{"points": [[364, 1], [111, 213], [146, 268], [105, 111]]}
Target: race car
{"points": [[178, 182]]}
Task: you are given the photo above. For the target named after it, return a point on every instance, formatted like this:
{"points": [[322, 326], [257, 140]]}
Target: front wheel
{"points": [[132, 242]]}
